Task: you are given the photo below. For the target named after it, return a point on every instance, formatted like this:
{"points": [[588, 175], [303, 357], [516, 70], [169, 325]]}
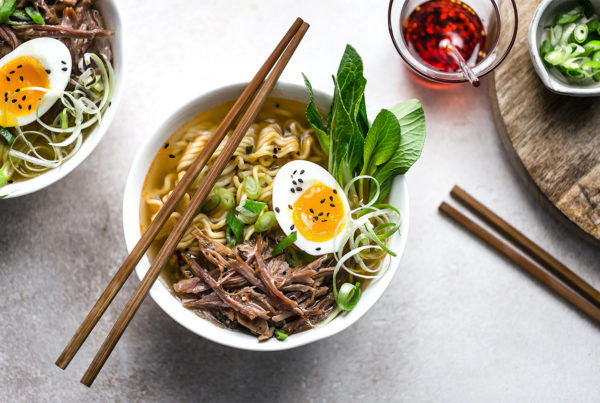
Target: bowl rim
{"points": [[52, 176], [548, 79], [160, 292], [446, 77]]}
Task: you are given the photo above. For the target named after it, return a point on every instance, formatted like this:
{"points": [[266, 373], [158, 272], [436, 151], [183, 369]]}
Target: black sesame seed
{"points": [[29, 107], [297, 153], [292, 189], [167, 145], [302, 172], [290, 206], [12, 72], [312, 211], [275, 150], [14, 100], [171, 156], [327, 214], [10, 181], [274, 156], [318, 269], [21, 78], [17, 90], [64, 69], [300, 180], [284, 272], [319, 248], [277, 105], [7, 78], [299, 189], [320, 214], [334, 191], [322, 201], [19, 66], [323, 220], [294, 173], [277, 209], [332, 205], [20, 107], [63, 62], [295, 183], [331, 198], [292, 227], [47, 71], [24, 97]]}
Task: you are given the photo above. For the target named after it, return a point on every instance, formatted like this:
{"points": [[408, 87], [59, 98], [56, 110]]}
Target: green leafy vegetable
{"points": [[314, 118], [411, 118], [570, 16], [35, 15], [352, 84], [285, 242], [381, 142], [235, 229]]}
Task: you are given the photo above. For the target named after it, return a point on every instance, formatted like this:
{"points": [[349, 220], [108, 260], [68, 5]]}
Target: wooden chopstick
{"points": [[155, 226], [528, 246], [178, 231], [532, 268]]}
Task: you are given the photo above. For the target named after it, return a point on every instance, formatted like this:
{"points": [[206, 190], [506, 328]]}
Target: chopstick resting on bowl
{"points": [[281, 55], [553, 274]]}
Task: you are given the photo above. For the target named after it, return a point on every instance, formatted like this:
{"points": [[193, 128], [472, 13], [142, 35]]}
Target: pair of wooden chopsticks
{"points": [[259, 88], [541, 265]]}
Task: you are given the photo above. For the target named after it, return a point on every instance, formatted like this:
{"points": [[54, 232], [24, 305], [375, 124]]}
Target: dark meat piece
{"points": [[208, 243], [192, 285], [209, 301], [248, 310], [268, 281], [8, 36], [59, 31]]}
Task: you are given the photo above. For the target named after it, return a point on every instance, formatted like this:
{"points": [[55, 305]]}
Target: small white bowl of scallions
{"points": [[564, 44]]}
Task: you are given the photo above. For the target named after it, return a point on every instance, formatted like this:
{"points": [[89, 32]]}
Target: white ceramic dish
{"points": [[112, 18], [544, 15], [161, 292]]}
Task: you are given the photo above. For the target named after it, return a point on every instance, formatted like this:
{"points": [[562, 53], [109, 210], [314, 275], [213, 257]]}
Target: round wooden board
{"points": [[554, 141]]}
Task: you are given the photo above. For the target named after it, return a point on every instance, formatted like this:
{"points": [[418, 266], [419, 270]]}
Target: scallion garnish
{"points": [[285, 242], [235, 229], [227, 198], [280, 335], [251, 187], [35, 15], [571, 43], [6, 172], [265, 221], [212, 202], [7, 136], [348, 295]]}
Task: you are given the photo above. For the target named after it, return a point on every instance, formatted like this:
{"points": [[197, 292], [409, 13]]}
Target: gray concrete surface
{"points": [[459, 323]]}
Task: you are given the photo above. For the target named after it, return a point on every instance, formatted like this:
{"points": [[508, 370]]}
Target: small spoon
{"points": [[453, 51]]}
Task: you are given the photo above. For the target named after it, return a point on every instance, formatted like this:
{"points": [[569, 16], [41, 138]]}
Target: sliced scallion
{"points": [[265, 221], [6, 172], [251, 187], [8, 137], [280, 335], [348, 295], [35, 15], [285, 242], [235, 229], [211, 203], [227, 198], [580, 33]]}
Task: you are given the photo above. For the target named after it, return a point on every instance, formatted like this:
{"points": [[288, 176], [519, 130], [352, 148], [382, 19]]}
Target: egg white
{"points": [[283, 197], [55, 57]]}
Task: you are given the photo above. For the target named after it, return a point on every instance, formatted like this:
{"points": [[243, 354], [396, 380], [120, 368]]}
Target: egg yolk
{"points": [[317, 213], [16, 76]]}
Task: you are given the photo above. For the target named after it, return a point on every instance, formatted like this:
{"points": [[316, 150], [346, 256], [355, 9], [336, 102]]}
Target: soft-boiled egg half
{"points": [[42, 63], [308, 200]]}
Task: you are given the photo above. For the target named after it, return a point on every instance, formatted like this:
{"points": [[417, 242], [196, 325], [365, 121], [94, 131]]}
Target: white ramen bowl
{"points": [[110, 12], [161, 292]]}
